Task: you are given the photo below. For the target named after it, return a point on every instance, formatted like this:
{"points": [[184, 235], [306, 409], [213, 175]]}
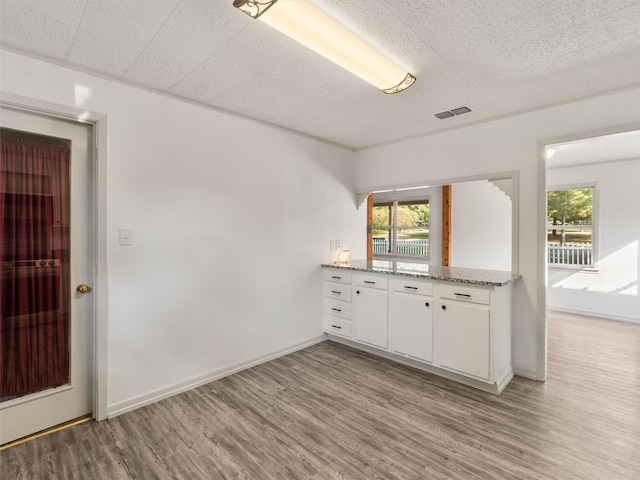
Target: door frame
{"points": [[98, 124], [542, 267]]}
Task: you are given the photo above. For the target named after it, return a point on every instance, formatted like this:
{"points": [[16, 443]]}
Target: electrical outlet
{"points": [[125, 236]]}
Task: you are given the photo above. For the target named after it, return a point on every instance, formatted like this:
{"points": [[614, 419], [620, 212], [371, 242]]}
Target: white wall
{"points": [[499, 146], [612, 290], [480, 226], [231, 220]]}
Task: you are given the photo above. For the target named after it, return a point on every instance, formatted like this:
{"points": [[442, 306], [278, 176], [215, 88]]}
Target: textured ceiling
{"points": [[606, 148], [497, 57]]}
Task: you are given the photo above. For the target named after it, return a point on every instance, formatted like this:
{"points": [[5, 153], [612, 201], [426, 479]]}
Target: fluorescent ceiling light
{"points": [[310, 26]]}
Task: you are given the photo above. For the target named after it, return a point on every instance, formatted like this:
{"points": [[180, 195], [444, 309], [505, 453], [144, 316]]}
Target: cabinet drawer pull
{"points": [[444, 307], [410, 288], [337, 326], [336, 292], [336, 309], [426, 304], [465, 295], [336, 278], [369, 282]]}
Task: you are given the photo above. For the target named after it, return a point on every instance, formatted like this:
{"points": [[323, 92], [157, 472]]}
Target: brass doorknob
{"points": [[82, 288]]}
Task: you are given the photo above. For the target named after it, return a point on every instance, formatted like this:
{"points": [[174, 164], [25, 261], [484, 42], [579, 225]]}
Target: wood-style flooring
{"points": [[332, 412]]}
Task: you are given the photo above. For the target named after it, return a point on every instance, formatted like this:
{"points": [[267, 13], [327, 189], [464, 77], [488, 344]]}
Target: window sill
{"points": [[401, 258], [573, 268]]}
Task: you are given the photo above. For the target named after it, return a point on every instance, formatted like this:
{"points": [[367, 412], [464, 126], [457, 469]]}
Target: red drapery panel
{"points": [[34, 299]]}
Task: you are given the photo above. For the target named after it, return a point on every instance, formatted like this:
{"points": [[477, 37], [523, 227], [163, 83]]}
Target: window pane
{"points": [[570, 207], [382, 240], [570, 227], [382, 218], [413, 229], [404, 234], [382, 215]]}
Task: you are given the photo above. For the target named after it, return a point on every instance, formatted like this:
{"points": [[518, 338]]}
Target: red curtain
{"points": [[34, 254]]}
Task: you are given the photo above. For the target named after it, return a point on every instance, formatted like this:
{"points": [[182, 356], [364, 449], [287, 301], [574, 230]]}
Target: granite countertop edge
{"points": [[448, 274]]}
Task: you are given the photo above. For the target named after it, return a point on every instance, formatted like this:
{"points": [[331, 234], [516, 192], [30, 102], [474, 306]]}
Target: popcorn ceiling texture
{"points": [[496, 57]]}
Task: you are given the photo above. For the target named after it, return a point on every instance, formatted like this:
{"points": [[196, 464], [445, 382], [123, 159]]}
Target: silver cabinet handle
{"points": [[336, 292], [369, 282]]}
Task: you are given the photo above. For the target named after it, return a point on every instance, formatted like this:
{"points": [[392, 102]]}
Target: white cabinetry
{"points": [[336, 289], [370, 309], [472, 325], [458, 330], [411, 318], [463, 338]]}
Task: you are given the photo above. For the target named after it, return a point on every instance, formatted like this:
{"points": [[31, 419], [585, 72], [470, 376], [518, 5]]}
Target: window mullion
{"points": [[394, 235]]}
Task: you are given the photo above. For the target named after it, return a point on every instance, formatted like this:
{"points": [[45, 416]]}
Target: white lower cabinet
{"points": [[411, 319], [463, 338], [457, 330], [369, 310]]}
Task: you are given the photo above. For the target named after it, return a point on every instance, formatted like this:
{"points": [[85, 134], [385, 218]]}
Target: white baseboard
{"points": [[590, 313], [138, 401], [525, 372], [495, 388]]}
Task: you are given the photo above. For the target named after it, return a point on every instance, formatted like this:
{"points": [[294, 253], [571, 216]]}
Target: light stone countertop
{"points": [[474, 276]]}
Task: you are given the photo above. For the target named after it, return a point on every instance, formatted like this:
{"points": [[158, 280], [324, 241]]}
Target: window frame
{"points": [[393, 228], [595, 221]]}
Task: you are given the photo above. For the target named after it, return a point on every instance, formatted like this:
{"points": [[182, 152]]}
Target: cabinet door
{"points": [[463, 338], [369, 315], [411, 325]]}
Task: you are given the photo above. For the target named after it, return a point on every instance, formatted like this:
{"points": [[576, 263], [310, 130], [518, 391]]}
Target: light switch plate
{"points": [[126, 236]]}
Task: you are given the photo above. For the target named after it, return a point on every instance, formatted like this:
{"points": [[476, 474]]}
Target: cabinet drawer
{"points": [[411, 286], [338, 326], [372, 281], [465, 294], [337, 275], [337, 308], [339, 291]]}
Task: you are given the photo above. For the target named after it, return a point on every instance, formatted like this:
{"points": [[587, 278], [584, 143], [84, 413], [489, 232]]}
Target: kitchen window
{"points": [[401, 228], [570, 227]]}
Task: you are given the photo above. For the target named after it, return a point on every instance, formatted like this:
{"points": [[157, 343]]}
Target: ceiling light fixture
{"points": [[307, 24]]}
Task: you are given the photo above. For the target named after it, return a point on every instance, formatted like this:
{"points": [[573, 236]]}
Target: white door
{"points": [[63, 263]]}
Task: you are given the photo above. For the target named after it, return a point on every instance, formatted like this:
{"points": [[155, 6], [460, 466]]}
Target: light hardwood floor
{"points": [[331, 412]]}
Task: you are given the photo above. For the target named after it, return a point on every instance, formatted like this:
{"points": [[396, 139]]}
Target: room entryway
{"points": [[46, 255]]}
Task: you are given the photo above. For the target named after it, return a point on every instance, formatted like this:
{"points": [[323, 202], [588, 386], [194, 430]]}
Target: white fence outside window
{"points": [[405, 247], [570, 254]]}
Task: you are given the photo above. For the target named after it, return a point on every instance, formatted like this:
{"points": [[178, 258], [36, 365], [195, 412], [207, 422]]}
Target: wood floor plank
{"points": [[332, 412]]}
